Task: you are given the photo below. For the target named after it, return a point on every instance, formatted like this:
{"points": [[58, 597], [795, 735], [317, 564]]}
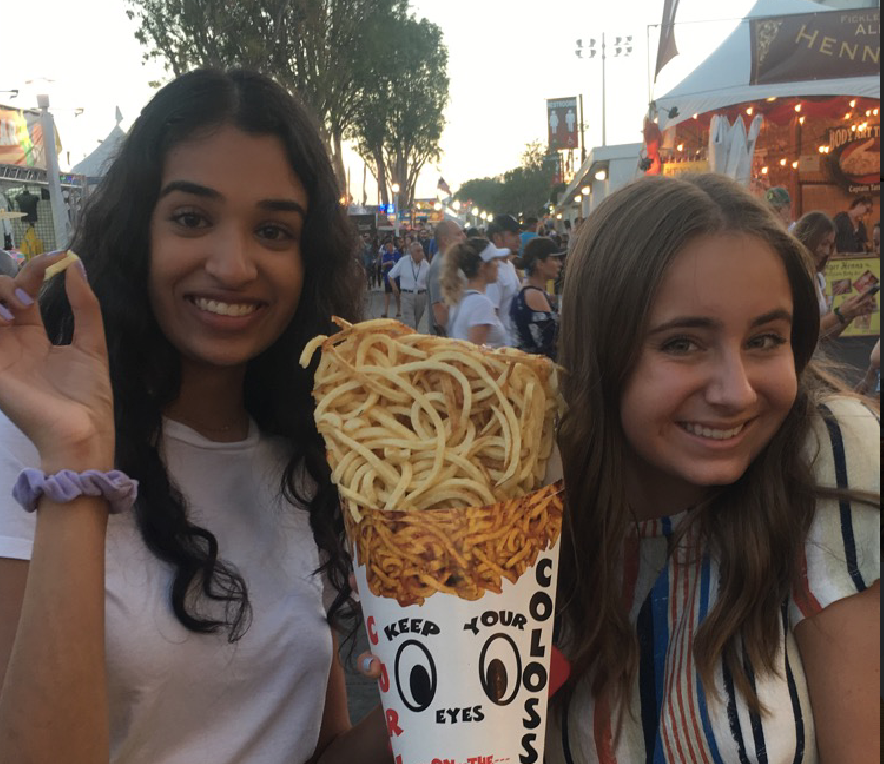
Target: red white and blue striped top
{"points": [[672, 718]]}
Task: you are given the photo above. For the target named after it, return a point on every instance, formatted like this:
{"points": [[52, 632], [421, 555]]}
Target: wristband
{"points": [[844, 321], [116, 487]]}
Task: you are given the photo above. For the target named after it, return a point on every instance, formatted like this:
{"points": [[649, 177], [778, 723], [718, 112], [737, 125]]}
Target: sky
{"points": [[506, 58]]}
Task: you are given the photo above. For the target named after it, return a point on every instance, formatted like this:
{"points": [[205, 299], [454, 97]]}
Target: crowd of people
{"points": [[174, 576]]}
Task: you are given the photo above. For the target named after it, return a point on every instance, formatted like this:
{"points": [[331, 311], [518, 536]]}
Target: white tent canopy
{"points": [[97, 163], [722, 80]]}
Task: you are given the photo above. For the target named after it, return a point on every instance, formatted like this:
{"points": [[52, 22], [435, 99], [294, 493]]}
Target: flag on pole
{"points": [[667, 49], [443, 186]]}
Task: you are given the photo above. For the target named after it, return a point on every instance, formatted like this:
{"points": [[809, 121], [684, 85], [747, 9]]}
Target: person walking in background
{"points": [[389, 258], [780, 202], [447, 234], [534, 319], [473, 316], [368, 260], [850, 231], [720, 563], [816, 231], [529, 231], [503, 232], [175, 589], [409, 277]]}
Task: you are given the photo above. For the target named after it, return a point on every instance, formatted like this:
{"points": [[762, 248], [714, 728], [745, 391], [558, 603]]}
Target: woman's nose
{"points": [[230, 260], [731, 384]]}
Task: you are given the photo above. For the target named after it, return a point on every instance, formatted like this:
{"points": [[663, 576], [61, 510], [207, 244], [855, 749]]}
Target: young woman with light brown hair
{"points": [[719, 584]]}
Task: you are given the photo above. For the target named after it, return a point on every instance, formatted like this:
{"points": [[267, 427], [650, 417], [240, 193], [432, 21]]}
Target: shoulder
{"points": [[842, 554], [536, 299]]}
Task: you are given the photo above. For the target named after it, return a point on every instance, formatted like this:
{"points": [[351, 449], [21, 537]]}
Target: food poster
{"points": [[850, 276], [459, 607]]}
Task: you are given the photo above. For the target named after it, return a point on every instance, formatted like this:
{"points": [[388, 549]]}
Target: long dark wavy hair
{"points": [[754, 528], [145, 370]]}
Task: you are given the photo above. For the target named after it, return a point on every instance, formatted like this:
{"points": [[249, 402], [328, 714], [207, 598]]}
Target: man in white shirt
{"points": [[412, 273], [504, 234]]}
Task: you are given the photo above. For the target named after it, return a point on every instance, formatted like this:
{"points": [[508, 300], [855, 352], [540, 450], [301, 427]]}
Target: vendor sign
{"points": [[816, 46], [854, 157], [21, 138], [847, 277]]}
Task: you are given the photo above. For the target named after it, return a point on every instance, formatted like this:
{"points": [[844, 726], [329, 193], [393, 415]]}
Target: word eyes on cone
{"points": [[500, 669], [416, 676]]}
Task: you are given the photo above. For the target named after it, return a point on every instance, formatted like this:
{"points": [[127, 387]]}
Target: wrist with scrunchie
{"points": [[117, 488], [845, 321]]}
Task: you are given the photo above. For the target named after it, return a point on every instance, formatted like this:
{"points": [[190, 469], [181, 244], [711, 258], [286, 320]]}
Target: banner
{"points": [[816, 46], [562, 120], [850, 276], [667, 49], [21, 138], [854, 158]]}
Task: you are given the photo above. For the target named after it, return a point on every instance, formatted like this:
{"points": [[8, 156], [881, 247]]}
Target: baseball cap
{"points": [[778, 197], [503, 223], [491, 253]]}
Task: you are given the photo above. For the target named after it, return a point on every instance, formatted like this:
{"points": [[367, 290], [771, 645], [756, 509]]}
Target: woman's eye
{"points": [[679, 345], [767, 341], [189, 219], [275, 233]]}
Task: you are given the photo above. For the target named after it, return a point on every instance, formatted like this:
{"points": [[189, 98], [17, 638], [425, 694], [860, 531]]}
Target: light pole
{"points": [[396, 208], [60, 220], [622, 49]]}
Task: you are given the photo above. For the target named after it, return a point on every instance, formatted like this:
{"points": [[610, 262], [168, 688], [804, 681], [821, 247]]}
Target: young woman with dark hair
{"points": [[816, 231], [719, 582], [534, 319], [194, 626]]}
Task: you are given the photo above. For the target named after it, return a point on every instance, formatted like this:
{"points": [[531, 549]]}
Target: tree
{"points": [[401, 116], [524, 189], [316, 48]]}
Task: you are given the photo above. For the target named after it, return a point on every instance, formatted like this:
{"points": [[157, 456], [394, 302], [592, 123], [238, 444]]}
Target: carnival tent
{"points": [[97, 163], [723, 79]]}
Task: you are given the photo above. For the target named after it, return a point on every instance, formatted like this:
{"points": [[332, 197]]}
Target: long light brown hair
{"points": [[462, 257], [754, 528]]}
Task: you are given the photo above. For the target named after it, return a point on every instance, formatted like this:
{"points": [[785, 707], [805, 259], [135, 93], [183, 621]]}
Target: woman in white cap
{"points": [[473, 315]]}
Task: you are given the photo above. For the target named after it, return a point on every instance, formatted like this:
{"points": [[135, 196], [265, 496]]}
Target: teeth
{"points": [[223, 308], [706, 432]]}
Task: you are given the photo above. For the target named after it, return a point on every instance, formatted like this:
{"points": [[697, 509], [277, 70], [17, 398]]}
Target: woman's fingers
{"points": [[19, 295], [88, 324], [369, 665]]}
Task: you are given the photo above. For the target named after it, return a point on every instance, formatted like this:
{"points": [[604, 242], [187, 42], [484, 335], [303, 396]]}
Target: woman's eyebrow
{"points": [[704, 322], [189, 187]]}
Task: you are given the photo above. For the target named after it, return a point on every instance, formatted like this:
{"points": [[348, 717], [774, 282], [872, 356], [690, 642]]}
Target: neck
{"points": [[211, 402], [477, 283], [535, 279], [854, 215]]}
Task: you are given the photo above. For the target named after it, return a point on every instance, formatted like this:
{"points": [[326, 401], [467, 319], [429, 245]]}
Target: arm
{"points": [[52, 660], [840, 650], [440, 314], [859, 305], [339, 741], [479, 333], [865, 386], [536, 300]]}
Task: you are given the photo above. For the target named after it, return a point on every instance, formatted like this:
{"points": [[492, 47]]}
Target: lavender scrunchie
{"points": [[115, 486]]}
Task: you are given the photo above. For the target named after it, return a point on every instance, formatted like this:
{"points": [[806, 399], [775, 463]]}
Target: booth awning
{"points": [[725, 78]]}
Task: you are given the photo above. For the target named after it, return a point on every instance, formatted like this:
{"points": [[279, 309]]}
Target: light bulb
{"points": [[801, 120], [794, 165], [784, 162], [764, 170], [578, 199], [680, 147], [853, 104], [750, 111], [797, 107], [586, 190], [601, 175]]}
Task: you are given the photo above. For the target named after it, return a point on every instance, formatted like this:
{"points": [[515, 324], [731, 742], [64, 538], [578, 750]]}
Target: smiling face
{"points": [[225, 263], [715, 377]]}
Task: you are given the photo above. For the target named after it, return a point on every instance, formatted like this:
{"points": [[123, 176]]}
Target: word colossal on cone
{"points": [[440, 450]]}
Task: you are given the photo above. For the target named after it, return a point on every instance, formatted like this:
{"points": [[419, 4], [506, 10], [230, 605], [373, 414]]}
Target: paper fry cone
{"points": [[459, 607]]}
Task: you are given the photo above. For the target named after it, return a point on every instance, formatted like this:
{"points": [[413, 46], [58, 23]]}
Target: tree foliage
{"points": [[525, 188], [317, 48], [401, 115]]}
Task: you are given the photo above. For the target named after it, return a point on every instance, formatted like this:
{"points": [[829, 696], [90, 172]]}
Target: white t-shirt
{"points": [[177, 697], [821, 294], [475, 309], [412, 276], [502, 294]]}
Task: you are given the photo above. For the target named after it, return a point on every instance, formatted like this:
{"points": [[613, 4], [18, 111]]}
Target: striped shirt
{"points": [[673, 719]]}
